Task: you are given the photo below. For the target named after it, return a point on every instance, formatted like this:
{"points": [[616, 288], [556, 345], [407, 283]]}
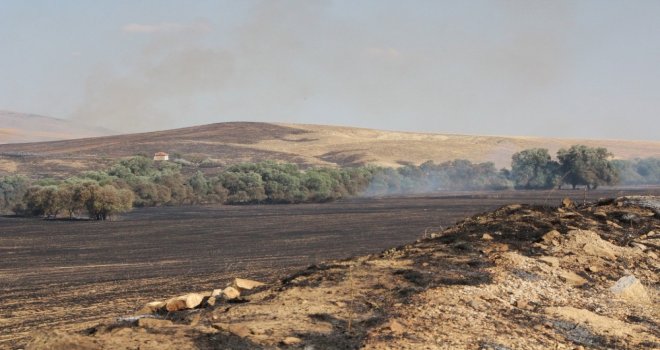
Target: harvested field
{"points": [[68, 275]]}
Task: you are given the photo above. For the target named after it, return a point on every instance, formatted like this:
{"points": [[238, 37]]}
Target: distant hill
{"points": [[21, 127], [223, 144]]}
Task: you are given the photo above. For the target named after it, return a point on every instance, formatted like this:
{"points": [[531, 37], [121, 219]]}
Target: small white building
{"points": [[161, 156]]}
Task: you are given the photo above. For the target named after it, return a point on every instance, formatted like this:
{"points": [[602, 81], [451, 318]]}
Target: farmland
{"points": [[59, 273]]}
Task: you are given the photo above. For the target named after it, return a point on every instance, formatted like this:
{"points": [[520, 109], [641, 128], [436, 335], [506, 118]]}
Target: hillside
{"points": [[229, 143], [22, 127]]}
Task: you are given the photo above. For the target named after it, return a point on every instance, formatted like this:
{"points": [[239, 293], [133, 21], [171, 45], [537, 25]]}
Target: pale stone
{"points": [[551, 236], [487, 237], [630, 288], [183, 302], [600, 214], [550, 260], [593, 268], [291, 341], [246, 284], [151, 307], [613, 224], [230, 293], [572, 278]]}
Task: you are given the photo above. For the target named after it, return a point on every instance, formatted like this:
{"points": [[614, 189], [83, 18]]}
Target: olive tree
{"points": [[589, 166], [533, 169]]}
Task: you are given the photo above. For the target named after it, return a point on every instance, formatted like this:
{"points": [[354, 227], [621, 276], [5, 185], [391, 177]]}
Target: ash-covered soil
{"points": [[520, 277]]}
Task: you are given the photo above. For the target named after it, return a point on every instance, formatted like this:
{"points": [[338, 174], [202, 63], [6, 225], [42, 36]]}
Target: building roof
{"points": [[160, 154]]}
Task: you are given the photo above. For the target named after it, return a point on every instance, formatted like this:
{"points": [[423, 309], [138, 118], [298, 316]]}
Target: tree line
{"points": [[139, 181]]}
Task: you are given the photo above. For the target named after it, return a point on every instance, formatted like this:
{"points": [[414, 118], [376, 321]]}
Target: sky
{"points": [[574, 68]]}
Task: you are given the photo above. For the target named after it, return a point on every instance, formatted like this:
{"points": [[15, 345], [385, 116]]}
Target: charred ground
{"points": [[497, 280], [67, 275]]}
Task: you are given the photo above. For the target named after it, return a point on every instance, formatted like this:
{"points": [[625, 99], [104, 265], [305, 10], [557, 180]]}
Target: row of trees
{"points": [[579, 165], [139, 181], [100, 202]]}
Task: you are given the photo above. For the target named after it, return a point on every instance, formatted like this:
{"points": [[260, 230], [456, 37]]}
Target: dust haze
{"points": [[294, 61]]}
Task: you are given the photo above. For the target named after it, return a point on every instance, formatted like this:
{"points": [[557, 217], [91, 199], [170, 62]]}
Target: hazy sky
{"points": [[572, 68]]}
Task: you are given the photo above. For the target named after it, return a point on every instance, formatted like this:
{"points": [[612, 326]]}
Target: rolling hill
{"points": [[223, 144], [21, 127]]}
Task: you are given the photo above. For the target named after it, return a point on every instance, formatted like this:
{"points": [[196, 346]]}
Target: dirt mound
{"points": [[533, 277]]}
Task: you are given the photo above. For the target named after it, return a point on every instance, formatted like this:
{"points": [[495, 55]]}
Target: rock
{"points": [[396, 327], [630, 288], [572, 278], [239, 330], [230, 293], [639, 246], [513, 207], [521, 304], [591, 244], [151, 307], [613, 224], [475, 304], [650, 234], [291, 341], [211, 301], [188, 301], [245, 284], [540, 246], [148, 322], [652, 254], [550, 260], [567, 203], [216, 292], [551, 236], [600, 214], [593, 268], [487, 237]]}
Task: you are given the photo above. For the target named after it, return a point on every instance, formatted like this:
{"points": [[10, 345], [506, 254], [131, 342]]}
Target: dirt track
{"points": [[55, 273]]}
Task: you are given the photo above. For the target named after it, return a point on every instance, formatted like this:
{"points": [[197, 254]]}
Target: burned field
{"points": [[59, 273]]}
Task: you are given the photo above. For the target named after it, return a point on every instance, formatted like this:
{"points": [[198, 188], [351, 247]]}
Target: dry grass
{"points": [[8, 166]]}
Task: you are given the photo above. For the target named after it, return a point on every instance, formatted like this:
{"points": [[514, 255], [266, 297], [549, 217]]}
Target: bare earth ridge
{"points": [[309, 145]]}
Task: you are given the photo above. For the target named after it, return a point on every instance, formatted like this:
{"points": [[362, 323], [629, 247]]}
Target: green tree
{"points": [[12, 191], [200, 186], [42, 200], [589, 166], [533, 169]]}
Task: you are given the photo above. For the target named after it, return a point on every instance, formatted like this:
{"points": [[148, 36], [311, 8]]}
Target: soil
{"points": [[457, 288]]}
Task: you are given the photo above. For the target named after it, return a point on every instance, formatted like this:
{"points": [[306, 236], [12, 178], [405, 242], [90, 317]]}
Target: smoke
{"points": [[457, 175], [304, 61]]}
